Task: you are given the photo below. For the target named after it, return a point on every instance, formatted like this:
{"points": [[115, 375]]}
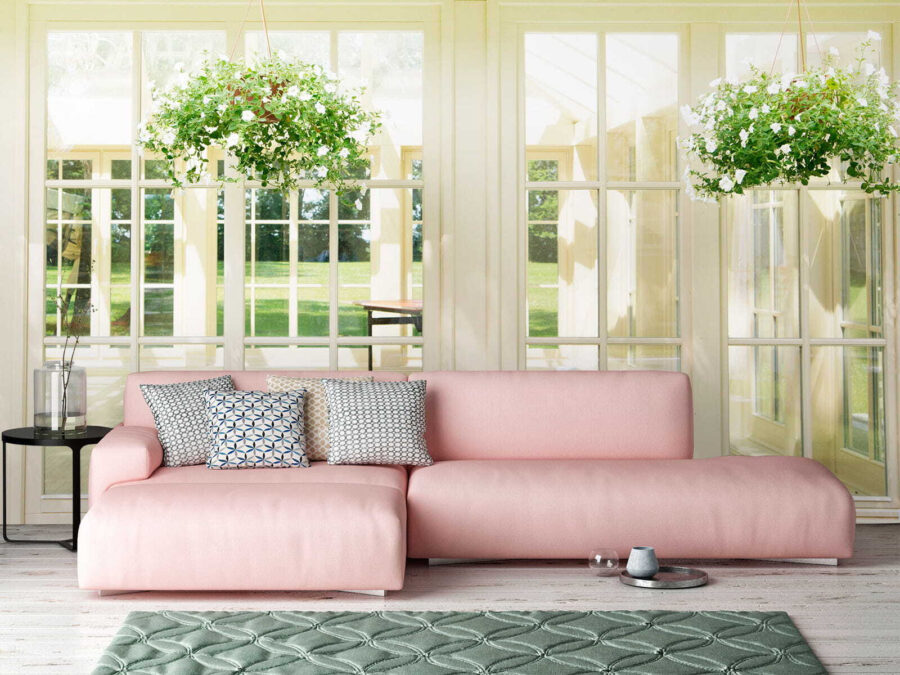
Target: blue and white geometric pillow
{"points": [[254, 429]]}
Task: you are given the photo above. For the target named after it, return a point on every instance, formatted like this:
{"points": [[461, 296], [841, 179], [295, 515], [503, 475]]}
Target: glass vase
{"points": [[60, 399]]}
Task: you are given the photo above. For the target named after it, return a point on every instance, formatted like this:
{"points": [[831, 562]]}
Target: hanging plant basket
{"points": [[789, 128], [283, 121]]}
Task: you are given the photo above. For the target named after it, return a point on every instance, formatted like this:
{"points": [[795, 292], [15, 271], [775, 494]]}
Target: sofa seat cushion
{"points": [[723, 507], [318, 528]]}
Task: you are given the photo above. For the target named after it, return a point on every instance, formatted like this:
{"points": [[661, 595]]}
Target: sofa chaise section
{"points": [[191, 528]]}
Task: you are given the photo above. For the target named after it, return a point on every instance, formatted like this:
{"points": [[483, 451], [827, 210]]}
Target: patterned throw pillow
{"points": [[315, 409], [377, 422], [180, 415], [253, 429]]}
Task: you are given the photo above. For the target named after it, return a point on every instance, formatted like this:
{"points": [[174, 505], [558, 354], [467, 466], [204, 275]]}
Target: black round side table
{"points": [[75, 442]]}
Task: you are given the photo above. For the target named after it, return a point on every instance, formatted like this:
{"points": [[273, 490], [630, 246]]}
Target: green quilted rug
{"points": [[426, 643]]}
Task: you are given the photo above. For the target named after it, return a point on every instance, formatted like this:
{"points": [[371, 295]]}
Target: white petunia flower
{"points": [[711, 144], [765, 108], [305, 96], [786, 148], [720, 106], [873, 36], [791, 131], [358, 204], [775, 126], [715, 83], [232, 140], [753, 114], [167, 136], [690, 117], [330, 88], [863, 102], [323, 150], [293, 90], [222, 107], [739, 176], [867, 69], [247, 115], [321, 171], [344, 153], [745, 135], [773, 88], [726, 183], [750, 89], [320, 108]]}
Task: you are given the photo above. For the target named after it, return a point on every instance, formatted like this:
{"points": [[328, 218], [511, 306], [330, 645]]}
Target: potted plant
{"points": [[282, 120], [790, 128]]}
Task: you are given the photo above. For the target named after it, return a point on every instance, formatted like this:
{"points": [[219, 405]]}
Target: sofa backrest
{"points": [[138, 413], [558, 415]]}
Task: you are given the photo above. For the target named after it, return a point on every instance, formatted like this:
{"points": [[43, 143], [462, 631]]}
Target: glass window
{"points": [[561, 99], [581, 263], [641, 106]]}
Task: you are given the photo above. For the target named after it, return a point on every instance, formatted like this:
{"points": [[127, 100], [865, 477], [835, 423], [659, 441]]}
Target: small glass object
{"points": [[60, 399], [604, 562]]}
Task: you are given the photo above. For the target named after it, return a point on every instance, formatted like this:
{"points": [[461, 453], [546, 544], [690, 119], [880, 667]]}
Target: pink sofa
{"points": [[527, 465]]}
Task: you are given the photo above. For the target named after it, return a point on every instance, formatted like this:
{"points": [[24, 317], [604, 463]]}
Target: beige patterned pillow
{"points": [[315, 409]]}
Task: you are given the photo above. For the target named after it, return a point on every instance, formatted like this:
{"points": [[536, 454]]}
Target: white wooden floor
{"points": [[850, 614]]}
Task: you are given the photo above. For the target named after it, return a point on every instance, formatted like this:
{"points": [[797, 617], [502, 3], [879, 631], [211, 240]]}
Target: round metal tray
{"points": [[668, 577]]}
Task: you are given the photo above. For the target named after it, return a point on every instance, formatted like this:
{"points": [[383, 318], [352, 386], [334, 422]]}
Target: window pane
{"points": [[159, 311], [292, 357], [389, 65], [375, 254], [312, 266], [179, 357], [643, 357], [561, 99], [307, 46], [76, 169], [763, 265], [562, 263], [848, 415], [168, 56], [384, 357], [562, 357], [642, 263], [845, 292], [641, 106], [764, 400], [88, 89], [159, 253], [120, 168], [267, 312], [761, 50]]}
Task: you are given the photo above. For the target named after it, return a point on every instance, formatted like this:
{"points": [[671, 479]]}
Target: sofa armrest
{"points": [[125, 454]]}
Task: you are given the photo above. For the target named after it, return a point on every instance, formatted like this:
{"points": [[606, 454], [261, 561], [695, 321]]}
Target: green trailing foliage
{"points": [[283, 121], [790, 128]]}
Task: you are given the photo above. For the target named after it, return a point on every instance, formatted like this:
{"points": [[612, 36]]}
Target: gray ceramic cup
{"points": [[642, 563]]}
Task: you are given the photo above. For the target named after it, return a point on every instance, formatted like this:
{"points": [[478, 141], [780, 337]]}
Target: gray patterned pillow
{"points": [[377, 422], [179, 411]]}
